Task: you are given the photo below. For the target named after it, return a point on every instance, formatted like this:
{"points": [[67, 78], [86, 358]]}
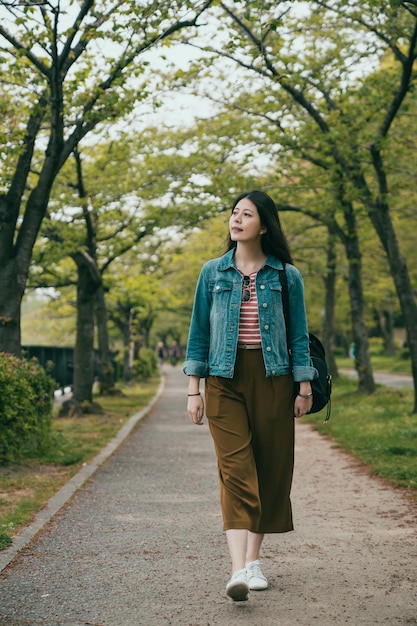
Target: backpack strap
{"points": [[286, 309]]}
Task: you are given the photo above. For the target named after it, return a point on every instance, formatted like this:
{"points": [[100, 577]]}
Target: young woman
{"points": [[237, 343]]}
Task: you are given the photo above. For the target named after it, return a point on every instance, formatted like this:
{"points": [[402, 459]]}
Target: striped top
{"points": [[249, 332]]}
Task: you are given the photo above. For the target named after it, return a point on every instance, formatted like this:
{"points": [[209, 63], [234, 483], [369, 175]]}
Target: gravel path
{"points": [[398, 381], [140, 544]]}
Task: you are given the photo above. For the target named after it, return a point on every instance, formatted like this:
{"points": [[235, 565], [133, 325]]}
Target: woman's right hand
{"points": [[195, 409]]}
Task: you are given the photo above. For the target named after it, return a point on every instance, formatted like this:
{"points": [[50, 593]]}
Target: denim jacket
{"points": [[213, 335]]}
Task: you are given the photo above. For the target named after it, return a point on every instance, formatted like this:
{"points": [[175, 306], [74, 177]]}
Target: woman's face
{"points": [[244, 223]]}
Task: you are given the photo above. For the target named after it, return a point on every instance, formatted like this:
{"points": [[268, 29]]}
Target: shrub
{"points": [[5, 541], [26, 402], [146, 365]]}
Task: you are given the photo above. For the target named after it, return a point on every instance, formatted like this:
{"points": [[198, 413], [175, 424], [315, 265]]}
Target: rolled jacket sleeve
{"points": [[196, 363], [195, 368], [302, 367]]}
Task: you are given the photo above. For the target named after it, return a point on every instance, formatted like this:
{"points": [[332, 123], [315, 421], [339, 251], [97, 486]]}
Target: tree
{"points": [[316, 66], [71, 70], [133, 305], [91, 221], [97, 216]]}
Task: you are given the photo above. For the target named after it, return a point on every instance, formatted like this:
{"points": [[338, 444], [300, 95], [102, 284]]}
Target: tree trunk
{"points": [[328, 331], [408, 304], [89, 279], [16, 249], [147, 323], [360, 333], [386, 328], [106, 375], [129, 348], [359, 330], [382, 222], [11, 294]]}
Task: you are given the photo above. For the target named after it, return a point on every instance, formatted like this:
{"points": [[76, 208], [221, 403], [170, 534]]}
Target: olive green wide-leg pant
{"points": [[251, 419]]}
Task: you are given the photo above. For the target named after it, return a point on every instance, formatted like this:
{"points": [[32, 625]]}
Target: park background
{"points": [[127, 130]]}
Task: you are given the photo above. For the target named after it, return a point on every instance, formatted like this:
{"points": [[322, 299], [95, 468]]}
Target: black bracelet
{"points": [[306, 396], [194, 394]]}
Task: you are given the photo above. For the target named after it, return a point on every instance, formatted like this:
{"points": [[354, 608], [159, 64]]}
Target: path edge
{"points": [[57, 501]]}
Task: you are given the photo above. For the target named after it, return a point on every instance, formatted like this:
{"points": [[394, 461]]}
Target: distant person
{"points": [[161, 353], [237, 343], [174, 353], [353, 354]]}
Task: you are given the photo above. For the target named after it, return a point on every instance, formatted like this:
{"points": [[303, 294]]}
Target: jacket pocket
{"points": [[219, 286]]}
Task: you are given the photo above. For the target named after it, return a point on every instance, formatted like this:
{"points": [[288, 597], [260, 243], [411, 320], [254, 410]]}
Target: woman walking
{"points": [[237, 344]]}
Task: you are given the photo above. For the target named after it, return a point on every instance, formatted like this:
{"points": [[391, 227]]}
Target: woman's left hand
{"points": [[195, 408], [302, 405]]}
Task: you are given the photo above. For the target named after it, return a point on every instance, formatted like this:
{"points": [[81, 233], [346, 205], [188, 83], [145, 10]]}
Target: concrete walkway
{"points": [[141, 544], [388, 379]]}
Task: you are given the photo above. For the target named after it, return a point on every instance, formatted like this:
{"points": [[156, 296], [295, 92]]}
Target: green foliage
{"points": [[69, 73], [5, 541], [266, 136], [146, 365], [26, 400]]}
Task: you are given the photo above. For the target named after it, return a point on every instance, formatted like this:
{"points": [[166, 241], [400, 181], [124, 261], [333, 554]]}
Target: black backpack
{"points": [[322, 385]]}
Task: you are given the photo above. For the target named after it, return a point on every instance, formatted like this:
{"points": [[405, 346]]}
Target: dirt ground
{"points": [[141, 543]]}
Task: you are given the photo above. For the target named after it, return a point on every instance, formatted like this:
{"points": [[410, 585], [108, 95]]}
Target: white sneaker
{"points": [[237, 588], [256, 580]]}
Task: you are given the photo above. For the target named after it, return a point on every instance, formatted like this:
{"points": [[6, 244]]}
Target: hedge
{"points": [[26, 403]]}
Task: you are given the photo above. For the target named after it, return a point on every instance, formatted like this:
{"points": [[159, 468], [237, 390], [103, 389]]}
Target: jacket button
{"points": [[268, 349], [266, 327], [273, 372], [265, 305], [262, 286]]}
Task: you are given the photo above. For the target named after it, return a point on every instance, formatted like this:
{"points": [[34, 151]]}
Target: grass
{"points": [[378, 429], [26, 487]]}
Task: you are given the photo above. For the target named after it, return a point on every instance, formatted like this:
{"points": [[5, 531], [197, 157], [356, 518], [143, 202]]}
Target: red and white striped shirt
{"points": [[249, 332]]}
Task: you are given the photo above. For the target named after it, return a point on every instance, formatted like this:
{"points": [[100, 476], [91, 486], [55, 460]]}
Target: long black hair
{"points": [[273, 241]]}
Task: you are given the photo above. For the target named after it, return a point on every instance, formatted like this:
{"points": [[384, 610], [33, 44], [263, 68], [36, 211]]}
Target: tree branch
{"points": [[359, 20], [399, 96], [140, 235], [64, 56], [13, 198], [406, 77], [17, 45]]}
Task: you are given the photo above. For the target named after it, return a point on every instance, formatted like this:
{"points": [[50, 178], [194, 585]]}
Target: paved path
{"points": [[384, 378], [140, 544]]}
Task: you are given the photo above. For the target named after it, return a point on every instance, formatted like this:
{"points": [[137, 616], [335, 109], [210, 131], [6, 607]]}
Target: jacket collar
{"points": [[228, 260]]}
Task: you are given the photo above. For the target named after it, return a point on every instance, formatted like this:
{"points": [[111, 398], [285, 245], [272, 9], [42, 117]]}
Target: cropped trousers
{"points": [[251, 420]]}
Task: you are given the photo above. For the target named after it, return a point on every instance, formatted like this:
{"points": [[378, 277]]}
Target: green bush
{"points": [[26, 402], [5, 541], [146, 365], [405, 354]]}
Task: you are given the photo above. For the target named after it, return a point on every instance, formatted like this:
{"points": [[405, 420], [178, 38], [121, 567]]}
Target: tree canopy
{"points": [[311, 101], [69, 69]]}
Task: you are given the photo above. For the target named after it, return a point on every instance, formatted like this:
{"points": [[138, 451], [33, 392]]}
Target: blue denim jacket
{"points": [[213, 335]]}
